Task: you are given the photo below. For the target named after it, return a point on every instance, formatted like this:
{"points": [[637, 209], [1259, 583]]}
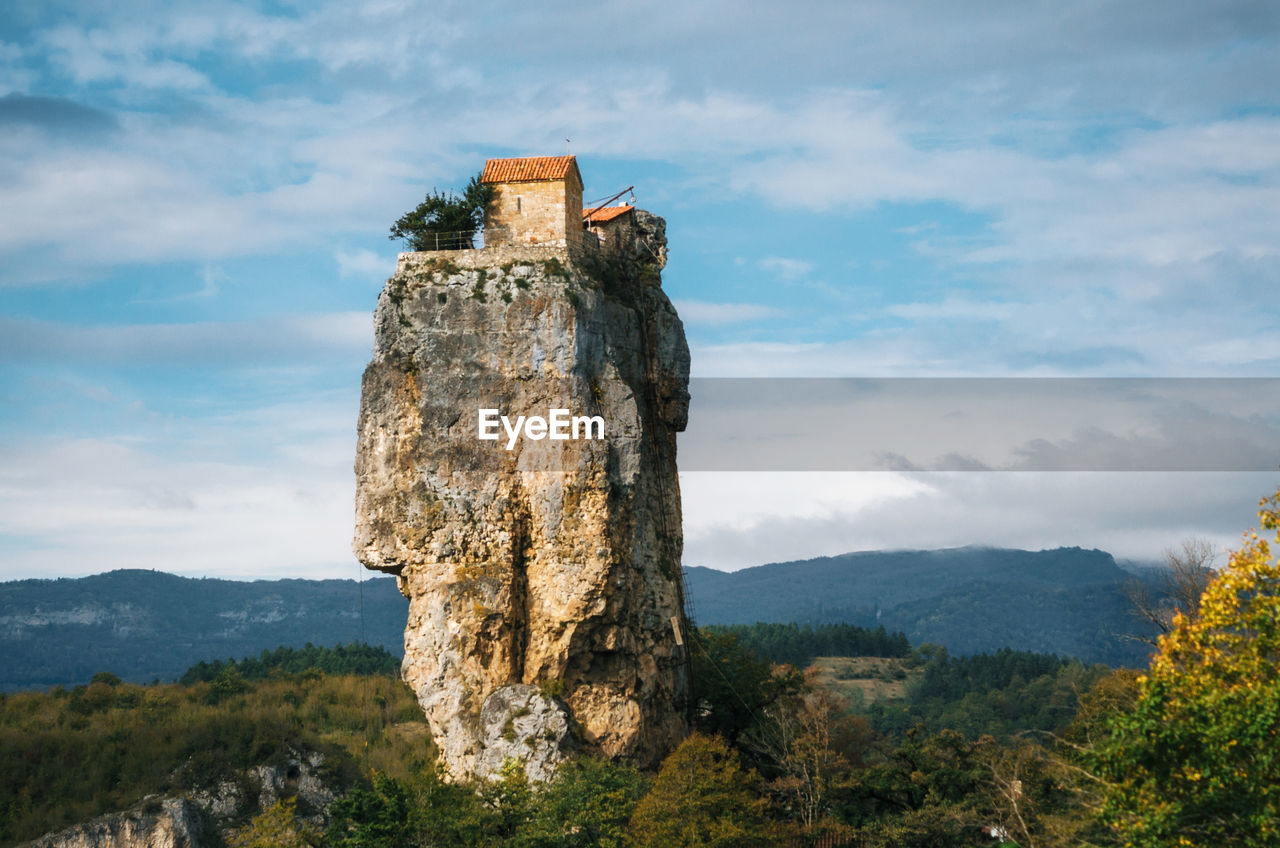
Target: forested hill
{"points": [[1065, 601], [143, 625]]}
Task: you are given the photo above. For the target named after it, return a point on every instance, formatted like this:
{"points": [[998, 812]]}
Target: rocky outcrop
{"points": [[207, 815], [545, 608], [299, 777], [155, 823]]}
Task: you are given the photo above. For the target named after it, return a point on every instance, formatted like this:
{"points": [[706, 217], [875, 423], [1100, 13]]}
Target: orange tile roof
{"points": [[605, 213], [529, 169]]}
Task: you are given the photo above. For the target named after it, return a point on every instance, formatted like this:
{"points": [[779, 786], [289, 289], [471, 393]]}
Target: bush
{"points": [[445, 221], [278, 826], [588, 805], [371, 818], [702, 797]]}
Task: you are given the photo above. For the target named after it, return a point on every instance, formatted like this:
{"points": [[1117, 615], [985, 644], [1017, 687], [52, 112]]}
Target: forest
{"points": [[799, 644], [1008, 748], [757, 726]]}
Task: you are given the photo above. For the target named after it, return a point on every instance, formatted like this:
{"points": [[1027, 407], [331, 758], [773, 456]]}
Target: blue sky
{"points": [[194, 200]]}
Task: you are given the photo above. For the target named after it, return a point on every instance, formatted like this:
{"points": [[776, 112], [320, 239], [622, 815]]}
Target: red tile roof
{"points": [[605, 213], [529, 169]]}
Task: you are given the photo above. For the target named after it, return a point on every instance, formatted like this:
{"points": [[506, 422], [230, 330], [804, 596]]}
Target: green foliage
{"points": [[701, 798], [952, 678], [229, 681], [944, 790], [1001, 694], [278, 826], [449, 815], [731, 685], [1195, 761], [1111, 695], [553, 267], [67, 756], [510, 802], [799, 644], [356, 658], [588, 805], [377, 817], [926, 791], [445, 221], [820, 770]]}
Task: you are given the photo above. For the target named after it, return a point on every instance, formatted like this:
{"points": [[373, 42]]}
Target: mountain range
{"points": [[1066, 601], [144, 625]]}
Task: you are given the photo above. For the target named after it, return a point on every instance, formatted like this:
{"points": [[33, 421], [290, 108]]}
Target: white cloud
{"points": [[718, 314], [211, 279], [877, 356], [1134, 516], [272, 341], [950, 424], [245, 172], [363, 263], [97, 504], [1160, 198], [738, 501], [787, 268], [1119, 160], [954, 309], [121, 55], [261, 491]]}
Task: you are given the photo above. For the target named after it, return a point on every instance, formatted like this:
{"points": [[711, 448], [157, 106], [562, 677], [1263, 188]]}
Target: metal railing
{"points": [[589, 245], [462, 240]]}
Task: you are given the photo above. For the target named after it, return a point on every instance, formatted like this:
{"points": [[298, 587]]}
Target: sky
{"points": [[195, 198]]}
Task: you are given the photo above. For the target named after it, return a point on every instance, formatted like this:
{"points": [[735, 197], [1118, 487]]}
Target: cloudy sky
{"points": [[194, 200]]}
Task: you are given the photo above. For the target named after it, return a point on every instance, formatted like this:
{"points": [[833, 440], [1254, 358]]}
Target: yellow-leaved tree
{"points": [[1197, 760]]}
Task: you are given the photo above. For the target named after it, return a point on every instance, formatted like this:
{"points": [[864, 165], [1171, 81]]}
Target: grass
{"points": [[866, 680]]}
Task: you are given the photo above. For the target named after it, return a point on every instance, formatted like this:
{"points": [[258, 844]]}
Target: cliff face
{"points": [[545, 605], [171, 823]]}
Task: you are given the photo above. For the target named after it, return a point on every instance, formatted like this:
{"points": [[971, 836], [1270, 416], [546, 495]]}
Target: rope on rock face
{"points": [[765, 727], [597, 205], [364, 678]]}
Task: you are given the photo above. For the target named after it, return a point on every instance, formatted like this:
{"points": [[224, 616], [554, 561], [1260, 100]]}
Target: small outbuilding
{"points": [[613, 226], [537, 201]]}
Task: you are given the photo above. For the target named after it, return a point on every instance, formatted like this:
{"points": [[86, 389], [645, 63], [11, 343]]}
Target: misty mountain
{"points": [[144, 625], [1064, 601]]}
